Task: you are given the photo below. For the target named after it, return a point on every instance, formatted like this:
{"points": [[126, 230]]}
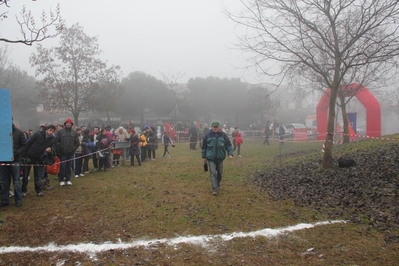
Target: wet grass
{"points": [[171, 197]]}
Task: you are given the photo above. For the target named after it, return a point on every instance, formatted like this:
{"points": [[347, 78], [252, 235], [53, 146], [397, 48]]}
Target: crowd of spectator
{"points": [[75, 146]]}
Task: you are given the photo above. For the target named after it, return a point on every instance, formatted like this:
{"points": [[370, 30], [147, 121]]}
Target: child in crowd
{"points": [[116, 154]]}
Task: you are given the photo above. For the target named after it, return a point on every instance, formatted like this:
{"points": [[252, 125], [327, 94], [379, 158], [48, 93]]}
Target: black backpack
{"points": [[346, 161]]}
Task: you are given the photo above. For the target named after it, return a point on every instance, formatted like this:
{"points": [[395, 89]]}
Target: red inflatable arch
{"points": [[373, 111]]}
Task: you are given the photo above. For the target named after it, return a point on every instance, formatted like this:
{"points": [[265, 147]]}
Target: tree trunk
{"points": [[345, 136], [108, 117], [76, 119], [236, 119], [262, 117], [141, 118], [327, 160], [208, 118]]}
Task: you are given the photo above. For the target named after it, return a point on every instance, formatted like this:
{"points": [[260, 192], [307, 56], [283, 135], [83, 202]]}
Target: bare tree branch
{"points": [[31, 31]]}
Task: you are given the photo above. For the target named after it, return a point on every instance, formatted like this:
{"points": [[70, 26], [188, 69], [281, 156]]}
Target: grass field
{"points": [[167, 198]]}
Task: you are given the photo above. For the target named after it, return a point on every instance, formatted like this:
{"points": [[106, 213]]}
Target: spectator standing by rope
{"points": [[66, 142]]}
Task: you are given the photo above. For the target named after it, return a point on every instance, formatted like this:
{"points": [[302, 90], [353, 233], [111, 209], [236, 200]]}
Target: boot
{"points": [[46, 184]]}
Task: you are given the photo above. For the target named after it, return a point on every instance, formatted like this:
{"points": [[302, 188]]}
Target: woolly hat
{"points": [[68, 120]]}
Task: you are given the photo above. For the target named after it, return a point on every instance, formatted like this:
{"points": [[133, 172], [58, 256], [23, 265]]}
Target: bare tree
{"points": [[260, 102], [328, 42], [72, 73], [171, 80], [22, 93], [30, 30]]}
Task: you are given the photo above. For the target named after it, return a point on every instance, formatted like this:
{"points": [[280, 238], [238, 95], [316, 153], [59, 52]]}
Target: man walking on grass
{"points": [[215, 145]]}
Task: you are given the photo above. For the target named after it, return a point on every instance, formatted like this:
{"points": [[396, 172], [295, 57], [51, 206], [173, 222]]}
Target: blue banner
{"points": [[352, 121], [6, 151]]}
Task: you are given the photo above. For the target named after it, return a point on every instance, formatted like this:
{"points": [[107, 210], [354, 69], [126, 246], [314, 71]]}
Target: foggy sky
{"points": [[190, 36]]}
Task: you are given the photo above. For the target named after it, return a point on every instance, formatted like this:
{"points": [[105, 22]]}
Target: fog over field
{"points": [[192, 37]]}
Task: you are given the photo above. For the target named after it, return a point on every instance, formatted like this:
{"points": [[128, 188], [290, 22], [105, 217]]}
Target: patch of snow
{"points": [[203, 240]]}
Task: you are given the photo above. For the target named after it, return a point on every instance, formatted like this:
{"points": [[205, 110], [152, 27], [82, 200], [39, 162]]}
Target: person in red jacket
{"points": [[239, 141]]}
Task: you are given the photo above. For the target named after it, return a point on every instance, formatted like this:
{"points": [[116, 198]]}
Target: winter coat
{"points": [[124, 136], [79, 149], [19, 143], [166, 140], [201, 133], [238, 138], [172, 133], [93, 138], [152, 141], [193, 133], [110, 136], [143, 140], [267, 130], [66, 141], [134, 144], [38, 144], [215, 145], [84, 142], [103, 143]]}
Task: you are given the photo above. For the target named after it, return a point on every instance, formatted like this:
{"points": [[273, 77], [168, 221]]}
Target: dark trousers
{"points": [[5, 173], [78, 164], [38, 175], [25, 176], [165, 150], [150, 152], [193, 143], [86, 163], [65, 167], [95, 159], [238, 149], [132, 159], [103, 162], [143, 153], [116, 159], [266, 140]]}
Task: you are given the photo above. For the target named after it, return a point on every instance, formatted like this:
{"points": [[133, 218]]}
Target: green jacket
{"points": [[215, 145]]}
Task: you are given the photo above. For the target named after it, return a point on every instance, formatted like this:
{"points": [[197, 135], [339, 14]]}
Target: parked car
{"points": [[290, 128], [277, 133]]}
